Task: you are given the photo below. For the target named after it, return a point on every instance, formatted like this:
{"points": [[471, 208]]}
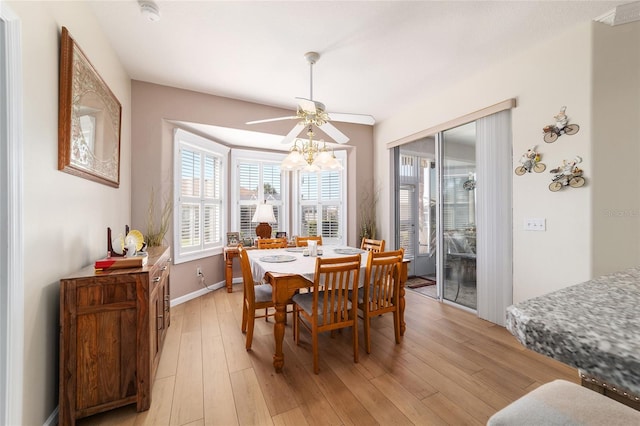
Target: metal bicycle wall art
{"points": [[530, 162], [562, 127], [567, 174]]}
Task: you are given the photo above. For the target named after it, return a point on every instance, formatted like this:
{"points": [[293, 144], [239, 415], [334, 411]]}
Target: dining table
{"points": [[291, 269], [593, 326]]}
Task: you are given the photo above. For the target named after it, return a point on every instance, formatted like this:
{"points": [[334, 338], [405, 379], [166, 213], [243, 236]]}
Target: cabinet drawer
{"points": [[108, 290]]}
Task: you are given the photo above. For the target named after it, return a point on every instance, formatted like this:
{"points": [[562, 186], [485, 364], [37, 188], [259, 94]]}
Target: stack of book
{"points": [[108, 263]]}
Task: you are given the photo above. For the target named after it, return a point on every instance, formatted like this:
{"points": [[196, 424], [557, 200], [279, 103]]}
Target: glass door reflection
{"points": [[458, 216]]}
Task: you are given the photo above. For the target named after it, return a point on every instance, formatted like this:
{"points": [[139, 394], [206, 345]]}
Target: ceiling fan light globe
{"points": [[323, 159], [334, 165], [293, 160], [310, 168]]}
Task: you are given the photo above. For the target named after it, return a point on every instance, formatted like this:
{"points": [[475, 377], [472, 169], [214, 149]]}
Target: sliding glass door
{"points": [[416, 209], [407, 226], [470, 255], [458, 215]]}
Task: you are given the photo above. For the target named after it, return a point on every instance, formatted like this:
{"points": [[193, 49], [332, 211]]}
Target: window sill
{"points": [[189, 257]]}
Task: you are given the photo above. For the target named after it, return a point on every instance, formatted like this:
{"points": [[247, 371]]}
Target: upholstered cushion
{"points": [[361, 294], [305, 301], [564, 403], [263, 292]]}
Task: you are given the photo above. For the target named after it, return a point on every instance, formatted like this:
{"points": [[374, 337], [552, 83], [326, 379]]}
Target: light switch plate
{"points": [[535, 224]]}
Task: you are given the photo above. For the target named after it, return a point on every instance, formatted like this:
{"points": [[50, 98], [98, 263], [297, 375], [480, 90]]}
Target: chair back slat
{"points": [[304, 241], [272, 243], [247, 275], [381, 289], [372, 245], [337, 277]]}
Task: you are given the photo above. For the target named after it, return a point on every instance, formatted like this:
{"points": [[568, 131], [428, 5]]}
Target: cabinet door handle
{"points": [[164, 268], [156, 280]]}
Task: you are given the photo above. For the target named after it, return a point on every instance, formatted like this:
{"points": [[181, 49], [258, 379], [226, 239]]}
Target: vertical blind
{"points": [[494, 156]]}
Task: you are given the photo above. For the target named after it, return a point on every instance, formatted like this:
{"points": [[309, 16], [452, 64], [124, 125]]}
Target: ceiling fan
{"points": [[313, 113]]}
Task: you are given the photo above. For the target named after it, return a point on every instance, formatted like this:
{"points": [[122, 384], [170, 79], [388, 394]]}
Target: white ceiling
{"points": [[377, 57]]}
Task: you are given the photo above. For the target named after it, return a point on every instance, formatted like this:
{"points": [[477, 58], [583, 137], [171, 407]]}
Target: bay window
{"points": [[199, 196], [257, 178], [321, 201]]}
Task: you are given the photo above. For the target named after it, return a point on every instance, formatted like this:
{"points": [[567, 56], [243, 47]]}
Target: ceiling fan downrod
{"points": [[312, 58]]}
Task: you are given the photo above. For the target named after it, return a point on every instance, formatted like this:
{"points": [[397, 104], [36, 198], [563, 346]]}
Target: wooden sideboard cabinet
{"points": [[112, 327]]}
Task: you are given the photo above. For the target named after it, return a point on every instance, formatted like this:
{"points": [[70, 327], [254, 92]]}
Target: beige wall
{"points": [[616, 151], [555, 73], [65, 217], [154, 109]]}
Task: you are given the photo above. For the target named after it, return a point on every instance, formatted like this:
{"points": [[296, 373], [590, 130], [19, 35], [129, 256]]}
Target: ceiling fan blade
{"points": [[334, 133], [309, 105], [267, 120], [352, 118], [293, 133]]}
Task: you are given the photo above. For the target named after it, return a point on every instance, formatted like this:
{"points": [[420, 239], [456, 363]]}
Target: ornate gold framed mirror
{"points": [[88, 119]]}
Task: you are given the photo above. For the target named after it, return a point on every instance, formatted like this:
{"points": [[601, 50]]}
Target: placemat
{"points": [[279, 258], [348, 251], [296, 249]]}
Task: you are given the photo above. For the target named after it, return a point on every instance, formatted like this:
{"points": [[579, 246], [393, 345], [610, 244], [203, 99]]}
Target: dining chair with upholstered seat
{"points": [[256, 296], [271, 243], [380, 293], [304, 241], [328, 307], [372, 245]]}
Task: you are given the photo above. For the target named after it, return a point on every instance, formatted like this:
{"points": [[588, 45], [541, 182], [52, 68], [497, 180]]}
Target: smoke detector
{"points": [[149, 10]]}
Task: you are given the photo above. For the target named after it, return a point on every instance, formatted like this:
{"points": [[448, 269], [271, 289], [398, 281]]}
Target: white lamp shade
{"points": [[334, 164], [264, 214], [323, 159], [293, 161]]}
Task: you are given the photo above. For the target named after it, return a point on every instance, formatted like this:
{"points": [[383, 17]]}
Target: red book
{"points": [[137, 261]]}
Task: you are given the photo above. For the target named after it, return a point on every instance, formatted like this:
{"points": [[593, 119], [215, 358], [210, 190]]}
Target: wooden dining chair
{"points": [[272, 243], [256, 296], [372, 245], [303, 241], [328, 307], [380, 293]]}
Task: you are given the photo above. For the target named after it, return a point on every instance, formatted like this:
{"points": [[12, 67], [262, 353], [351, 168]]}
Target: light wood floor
{"points": [[451, 368]]}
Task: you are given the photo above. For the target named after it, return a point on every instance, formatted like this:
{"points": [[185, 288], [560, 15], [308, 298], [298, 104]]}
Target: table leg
{"points": [[403, 280], [229, 272], [403, 325], [278, 334]]}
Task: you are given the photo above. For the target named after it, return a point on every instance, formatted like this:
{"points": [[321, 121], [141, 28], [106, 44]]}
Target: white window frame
{"points": [[206, 146], [11, 219], [239, 156], [297, 220]]}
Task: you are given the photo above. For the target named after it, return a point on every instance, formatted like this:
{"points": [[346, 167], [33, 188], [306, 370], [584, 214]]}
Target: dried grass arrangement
{"points": [[155, 233]]}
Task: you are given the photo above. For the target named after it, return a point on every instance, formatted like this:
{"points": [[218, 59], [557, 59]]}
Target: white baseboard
{"points": [[53, 418], [198, 293]]}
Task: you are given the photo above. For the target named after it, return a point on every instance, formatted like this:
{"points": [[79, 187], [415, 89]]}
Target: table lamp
{"points": [[263, 216]]}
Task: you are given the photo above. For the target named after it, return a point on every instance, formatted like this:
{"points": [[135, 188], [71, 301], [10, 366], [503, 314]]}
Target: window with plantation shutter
{"points": [[257, 178], [321, 204], [199, 195]]}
